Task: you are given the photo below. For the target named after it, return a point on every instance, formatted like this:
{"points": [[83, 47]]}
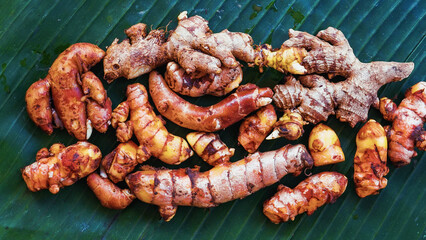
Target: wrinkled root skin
{"points": [[230, 110], [200, 53], [121, 161], [315, 97], [109, 194], [210, 148], [370, 159], [307, 196], [254, 129], [38, 105], [61, 166], [99, 116], [69, 89], [148, 128], [407, 120], [168, 188], [289, 126], [221, 50], [211, 84], [136, 56], [98, 104], [284, 59]]}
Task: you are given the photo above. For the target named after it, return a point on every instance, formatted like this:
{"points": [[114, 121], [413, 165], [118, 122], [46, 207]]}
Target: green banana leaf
{"points": [[33, 33]]}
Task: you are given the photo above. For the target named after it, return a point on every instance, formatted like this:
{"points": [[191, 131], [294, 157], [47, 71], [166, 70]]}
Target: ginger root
{"points": [[324, 146], [370, 159], [407, 124], [139, 55], [210, 148], [283, 59], [224, 182], [230, 110], [254, 129], [61, 166], [197, 50], [315, 98], [109, 194], [213, 84], [307, 196], [147, 127], [78, 96], [222, 49]]}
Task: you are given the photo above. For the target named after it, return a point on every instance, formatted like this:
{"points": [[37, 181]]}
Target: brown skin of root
{"points": [[141, 54], [181, 46], [120, 114], [98, 104], [289, 126], [148, 127], [61, 166], [121, 161], [211, 84], [229, 46], [168, 188], [421, 141], [98, 115], [37, 98], [255, 128], [92, 88], [324, 146], [66, 91], [65, 85], [137, 56], [284, 59], [43, 153], [230, 110], [124, 131], [167, 212], [407, 124], [196, 49], [124, 128], [370, 159], [210, 148], [109, 194], [307, 196], [315, 97]]}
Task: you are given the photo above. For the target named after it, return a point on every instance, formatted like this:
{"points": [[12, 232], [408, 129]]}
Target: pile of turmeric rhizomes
{"points": [[199, 62]]}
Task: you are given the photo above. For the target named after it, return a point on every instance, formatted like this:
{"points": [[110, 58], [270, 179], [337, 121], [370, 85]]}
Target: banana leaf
{"points": [[34, 32]]}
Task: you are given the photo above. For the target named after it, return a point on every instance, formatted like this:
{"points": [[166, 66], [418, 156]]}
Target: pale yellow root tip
{"points": [[297, 68], [183, 15], [274, 135], [284, 60]]}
